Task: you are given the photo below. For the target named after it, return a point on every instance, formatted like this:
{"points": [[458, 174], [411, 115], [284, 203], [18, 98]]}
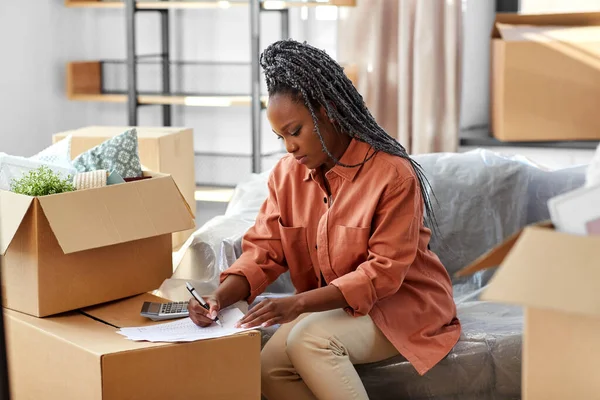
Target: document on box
{"points": [[184, 330], [576, 212]]}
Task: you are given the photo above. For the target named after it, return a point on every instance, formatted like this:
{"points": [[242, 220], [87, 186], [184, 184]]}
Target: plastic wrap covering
{"points": [[217, 244], [482, 197]]}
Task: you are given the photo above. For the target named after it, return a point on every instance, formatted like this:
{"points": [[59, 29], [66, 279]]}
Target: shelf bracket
{"points": [[132, 101], [255, 82], [166, 67]]}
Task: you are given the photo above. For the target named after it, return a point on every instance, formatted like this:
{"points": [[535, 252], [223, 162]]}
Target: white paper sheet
{"points": [[184, 330]]}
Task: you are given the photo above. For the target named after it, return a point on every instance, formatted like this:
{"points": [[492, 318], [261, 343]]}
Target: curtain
{"points": [[407, 55]]}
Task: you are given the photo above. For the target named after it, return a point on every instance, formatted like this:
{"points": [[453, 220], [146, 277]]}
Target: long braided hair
{"points": [[312, 76]]}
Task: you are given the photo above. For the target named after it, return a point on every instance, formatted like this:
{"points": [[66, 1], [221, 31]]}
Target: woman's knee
{"points": [[271, 357], [308, 335]]}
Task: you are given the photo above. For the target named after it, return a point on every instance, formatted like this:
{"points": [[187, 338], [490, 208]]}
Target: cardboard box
{"points": [[545, 77], [71, 250], [78, 356], [161, 149], [554, 276]]}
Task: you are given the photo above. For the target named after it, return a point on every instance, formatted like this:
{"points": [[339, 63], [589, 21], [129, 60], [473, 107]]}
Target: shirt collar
{"points": [[356, 153]]}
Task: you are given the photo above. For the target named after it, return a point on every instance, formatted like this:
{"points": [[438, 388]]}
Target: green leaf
{"points": [[42, 182]]}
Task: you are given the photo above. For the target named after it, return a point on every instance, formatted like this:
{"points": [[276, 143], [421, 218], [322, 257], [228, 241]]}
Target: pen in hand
{"points": [[203, 303]]}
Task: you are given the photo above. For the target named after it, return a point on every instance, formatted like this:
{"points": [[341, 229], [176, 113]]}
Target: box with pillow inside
{"points": [[168, 150], [100, 233]]}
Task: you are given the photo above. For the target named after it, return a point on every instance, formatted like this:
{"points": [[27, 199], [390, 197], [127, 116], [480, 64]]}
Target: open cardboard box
{"points": [[79, 355], [545, 77], [554, 276], [71, 250], [167, 150]]}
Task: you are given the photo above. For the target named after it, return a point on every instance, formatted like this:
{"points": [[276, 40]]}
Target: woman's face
{"points": [[291, 121]]}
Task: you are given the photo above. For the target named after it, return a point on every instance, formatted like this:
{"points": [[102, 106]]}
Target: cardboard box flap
{"points": [[124, 313], [546, 34], [496, 255], [13, 208], [566, 19], [550, 270], [491, 259], [93, 218]]}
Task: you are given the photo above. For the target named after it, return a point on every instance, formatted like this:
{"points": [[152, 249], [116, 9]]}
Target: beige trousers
{"points": [[313, 356]]}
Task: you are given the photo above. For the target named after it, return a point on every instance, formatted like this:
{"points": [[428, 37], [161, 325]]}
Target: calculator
{"points": [[162, 311]]}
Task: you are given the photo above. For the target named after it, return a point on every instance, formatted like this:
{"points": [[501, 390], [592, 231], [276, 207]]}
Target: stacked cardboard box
{"points": [[545, 77], [79, 355], [77, 266]]}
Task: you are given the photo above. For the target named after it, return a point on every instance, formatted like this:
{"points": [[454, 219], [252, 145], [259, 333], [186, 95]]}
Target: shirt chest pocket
{"points": [[348, 248], [297, 256]]}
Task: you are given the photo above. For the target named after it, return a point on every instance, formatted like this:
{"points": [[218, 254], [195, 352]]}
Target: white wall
{"points": [[40, 37], [35, 44], [478, 21]]}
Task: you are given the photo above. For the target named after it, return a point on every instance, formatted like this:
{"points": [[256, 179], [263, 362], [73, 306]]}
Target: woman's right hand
{"points": [[200, 315]]}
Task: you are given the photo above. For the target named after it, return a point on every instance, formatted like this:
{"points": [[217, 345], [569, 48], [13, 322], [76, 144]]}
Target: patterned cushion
{"points": [[58, 154], [118, 154], [90, 180]]}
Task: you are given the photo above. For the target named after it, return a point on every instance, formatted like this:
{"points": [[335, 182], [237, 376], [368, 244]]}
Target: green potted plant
{"points": [[42, 182]]}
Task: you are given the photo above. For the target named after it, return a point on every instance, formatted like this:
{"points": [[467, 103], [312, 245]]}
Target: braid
{"points": [[312, 76]]}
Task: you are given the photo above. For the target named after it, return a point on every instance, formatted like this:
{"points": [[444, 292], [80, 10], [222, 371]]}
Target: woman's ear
{"points": [[323, 113]]}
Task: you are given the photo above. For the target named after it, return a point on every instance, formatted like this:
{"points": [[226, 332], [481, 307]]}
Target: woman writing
{"points": [[345, 216]]}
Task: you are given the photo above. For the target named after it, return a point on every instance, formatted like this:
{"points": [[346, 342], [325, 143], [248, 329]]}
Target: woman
{"points": [[345, 217]]}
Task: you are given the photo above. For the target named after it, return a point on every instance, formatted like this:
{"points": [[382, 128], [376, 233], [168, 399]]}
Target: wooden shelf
{"points": [[160, 5], [159, 99], [84, 83]]}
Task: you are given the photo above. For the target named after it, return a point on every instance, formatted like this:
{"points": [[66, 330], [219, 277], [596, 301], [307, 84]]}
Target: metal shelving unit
{"points": [[199, 4], [85, 78]]}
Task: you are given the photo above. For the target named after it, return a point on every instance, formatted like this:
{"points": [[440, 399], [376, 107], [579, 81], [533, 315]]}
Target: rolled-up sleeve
{"points": [[262, 259], [392, 249]]}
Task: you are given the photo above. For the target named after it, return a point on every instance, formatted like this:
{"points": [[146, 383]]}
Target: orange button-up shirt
{"points": [[367, 238]]}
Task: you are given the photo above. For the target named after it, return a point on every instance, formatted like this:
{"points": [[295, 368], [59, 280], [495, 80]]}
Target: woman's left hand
{"points": [[271, 312]]}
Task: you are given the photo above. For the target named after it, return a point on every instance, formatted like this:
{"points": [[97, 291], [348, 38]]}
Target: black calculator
{"points": [[162, 311]]}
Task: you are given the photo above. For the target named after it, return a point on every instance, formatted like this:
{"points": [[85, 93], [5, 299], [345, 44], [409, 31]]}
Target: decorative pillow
{"points": [[118, 154], [15, 167], [90, 180], [58, 154]]}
